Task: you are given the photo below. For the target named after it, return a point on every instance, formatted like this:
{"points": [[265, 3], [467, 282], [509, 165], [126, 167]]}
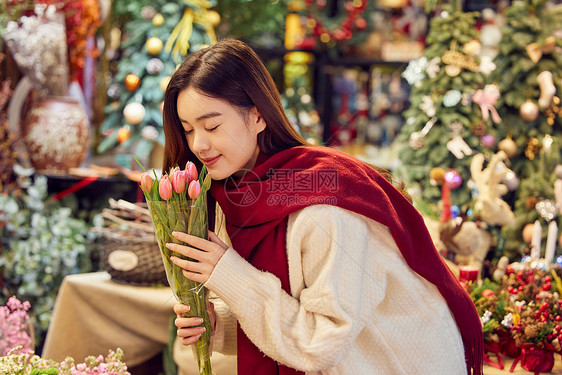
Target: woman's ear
{"points": [[257, 120]]}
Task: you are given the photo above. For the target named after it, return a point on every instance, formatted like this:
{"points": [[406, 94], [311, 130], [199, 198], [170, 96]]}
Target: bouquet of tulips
{"points": [[178, 203]]}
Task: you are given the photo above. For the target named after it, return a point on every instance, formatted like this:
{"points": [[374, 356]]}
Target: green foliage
{"points": [[447, 32], [138, 27], [43, 242], [260, 23], [528, 22], [537, 186]]}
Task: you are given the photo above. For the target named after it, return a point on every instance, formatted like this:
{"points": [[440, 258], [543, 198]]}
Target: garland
{"points": [[342, 27]]}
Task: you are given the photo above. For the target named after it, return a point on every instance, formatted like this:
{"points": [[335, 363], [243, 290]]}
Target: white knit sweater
{"points": [[355, 306]]}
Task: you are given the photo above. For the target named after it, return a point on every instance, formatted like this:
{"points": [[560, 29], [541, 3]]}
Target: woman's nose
{"points": [[200, 142]]}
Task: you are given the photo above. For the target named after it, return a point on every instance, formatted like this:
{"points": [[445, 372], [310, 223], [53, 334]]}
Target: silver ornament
{"points": [[150, 133], [510, 180], [148, 12], [114, 91], [154, 66]]}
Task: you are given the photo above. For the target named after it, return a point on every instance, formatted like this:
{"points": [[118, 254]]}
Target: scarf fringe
{"points": [[474, 355]]}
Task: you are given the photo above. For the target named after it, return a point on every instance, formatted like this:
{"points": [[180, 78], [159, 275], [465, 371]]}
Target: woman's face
{"points": [[218, 134]]}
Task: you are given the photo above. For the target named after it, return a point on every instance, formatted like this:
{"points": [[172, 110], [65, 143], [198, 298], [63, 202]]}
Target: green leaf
{"points": [[107, 143]]}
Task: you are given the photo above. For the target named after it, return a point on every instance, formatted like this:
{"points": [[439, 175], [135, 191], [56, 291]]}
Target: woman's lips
{"points": [[211, 161]]}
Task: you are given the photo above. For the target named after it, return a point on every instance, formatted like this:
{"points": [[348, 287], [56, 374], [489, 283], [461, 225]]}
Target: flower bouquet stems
{"points": [[178, 203]]}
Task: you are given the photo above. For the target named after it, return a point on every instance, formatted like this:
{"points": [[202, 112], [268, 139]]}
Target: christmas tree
{"points": [[260, 23], [451, 116], [157, 37], [529, 77]]}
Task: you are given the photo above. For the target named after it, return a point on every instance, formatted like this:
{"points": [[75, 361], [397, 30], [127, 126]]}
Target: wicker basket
{"points": [[133, 260]]}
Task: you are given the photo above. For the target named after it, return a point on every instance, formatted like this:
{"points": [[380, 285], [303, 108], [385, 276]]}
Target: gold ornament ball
{"points": [[528, 233], [438, 175], [529, 111], [153, 45], [164, 83], [213, 17], [508, 146], [158, 20], [134, 113], [452, 70], [132, 82]]}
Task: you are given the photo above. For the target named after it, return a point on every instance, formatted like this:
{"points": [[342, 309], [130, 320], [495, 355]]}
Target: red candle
{"points": [[468, 273]]}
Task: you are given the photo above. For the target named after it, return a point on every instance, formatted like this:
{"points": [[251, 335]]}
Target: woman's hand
{"points": [[188, 328], [205, 253]]}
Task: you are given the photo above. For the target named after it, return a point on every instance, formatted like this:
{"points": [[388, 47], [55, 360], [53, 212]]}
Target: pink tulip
{"points": [[165, 188], [146, 182], [191, 170], [194, 189], [179, 181], [172, 172]]}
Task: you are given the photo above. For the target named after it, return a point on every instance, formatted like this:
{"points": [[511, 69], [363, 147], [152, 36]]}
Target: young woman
{"points": [[331, 269]]}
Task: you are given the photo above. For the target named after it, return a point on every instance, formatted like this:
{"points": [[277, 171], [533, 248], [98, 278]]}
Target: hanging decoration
{"points": [[437, 176], [132, 82], [340, 28], [535, 51], [178, 42], [552, 111], [457, 145], [529, 111], [532, 149], [508, 146], [456, 61], [487, 99], [546, 85], [153, 45]]}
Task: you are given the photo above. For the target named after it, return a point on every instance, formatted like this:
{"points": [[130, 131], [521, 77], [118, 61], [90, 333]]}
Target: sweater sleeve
{"points": [[223, 339], [312, 329]]}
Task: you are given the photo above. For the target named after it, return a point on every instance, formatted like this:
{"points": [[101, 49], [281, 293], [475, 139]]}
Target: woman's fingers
{"points": [[188, 328], [195, 241], [180, 308], [215, 239], [202, 258]]}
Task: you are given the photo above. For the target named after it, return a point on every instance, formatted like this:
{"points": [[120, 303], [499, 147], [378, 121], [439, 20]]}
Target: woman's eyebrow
{"points": [[203, 117]]}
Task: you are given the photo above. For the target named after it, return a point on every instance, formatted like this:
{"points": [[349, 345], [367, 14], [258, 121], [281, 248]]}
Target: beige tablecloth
{"points": [[93, 314]]}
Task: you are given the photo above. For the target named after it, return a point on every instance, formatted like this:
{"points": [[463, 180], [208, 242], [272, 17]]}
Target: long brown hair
{"points": [[230, 71]]}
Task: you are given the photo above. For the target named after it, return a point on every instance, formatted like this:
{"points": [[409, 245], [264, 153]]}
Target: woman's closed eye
{"points": [[188, 132]]}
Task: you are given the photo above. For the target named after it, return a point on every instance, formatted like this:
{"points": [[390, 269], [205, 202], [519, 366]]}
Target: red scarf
{"points": [[256, 220]]}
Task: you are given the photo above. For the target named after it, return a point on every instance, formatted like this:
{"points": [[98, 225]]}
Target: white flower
{"points": [[486, 317], [507, 321]]}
